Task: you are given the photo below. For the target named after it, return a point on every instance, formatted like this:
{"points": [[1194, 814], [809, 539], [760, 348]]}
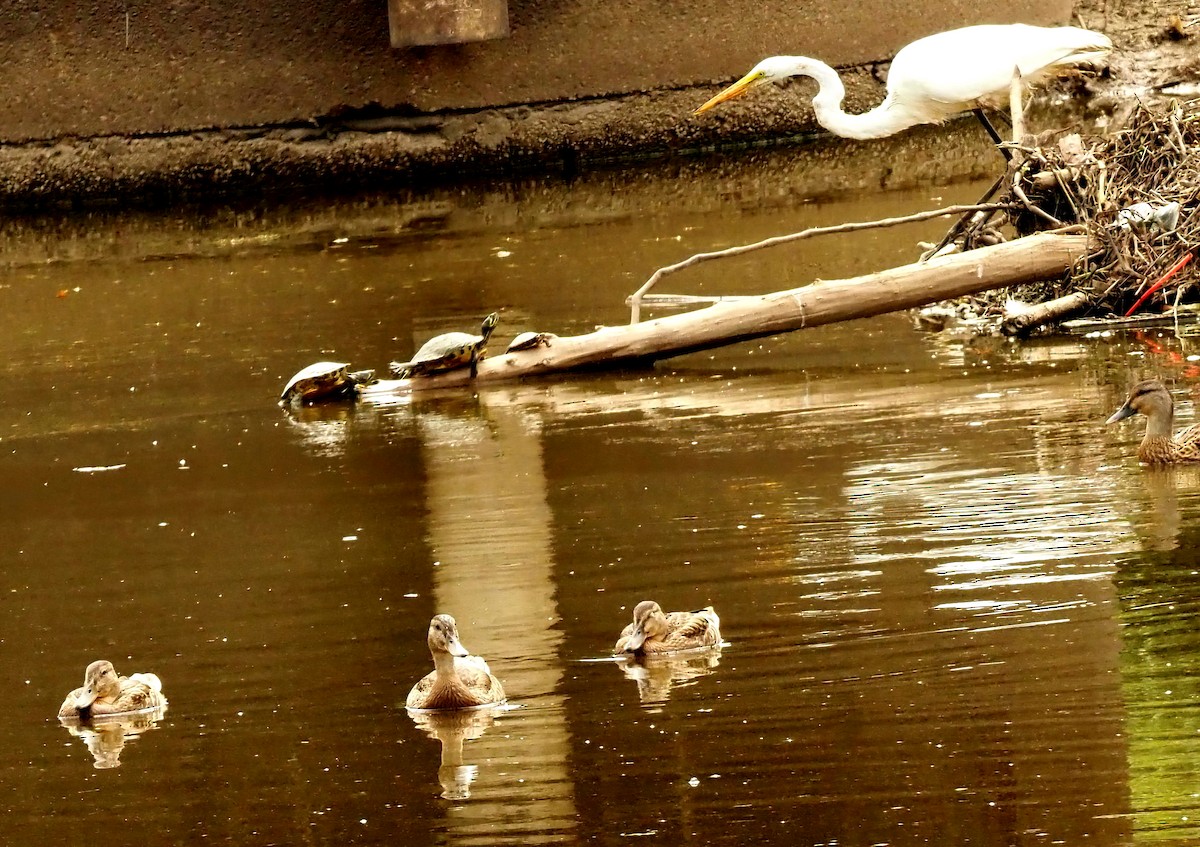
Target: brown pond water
{"points": [[957, 610]]}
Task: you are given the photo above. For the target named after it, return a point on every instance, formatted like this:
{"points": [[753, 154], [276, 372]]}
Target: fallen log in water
{"points": [[1036, 257], [1032, 317]]}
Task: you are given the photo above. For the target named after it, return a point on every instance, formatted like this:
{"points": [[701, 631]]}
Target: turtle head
{"points": [[489, 324]]}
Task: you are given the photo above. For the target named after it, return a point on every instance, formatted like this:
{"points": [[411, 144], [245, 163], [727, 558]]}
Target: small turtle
{"points": [[448, 351], [531, 340], [323, 381]]}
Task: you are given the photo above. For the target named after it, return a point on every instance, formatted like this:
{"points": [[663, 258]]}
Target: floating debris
{"points": [[1134, 192], [1147, 216]]}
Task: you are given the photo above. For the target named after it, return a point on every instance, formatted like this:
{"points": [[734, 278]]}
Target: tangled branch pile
{"points": [[1154, 160]]}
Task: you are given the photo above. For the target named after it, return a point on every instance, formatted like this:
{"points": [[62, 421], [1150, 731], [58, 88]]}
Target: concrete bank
{"points": [[123, 104]]}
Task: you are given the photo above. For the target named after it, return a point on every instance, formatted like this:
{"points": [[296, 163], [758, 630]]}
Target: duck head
{"points": [[1150, 398], [648, 622], [443, 637], [100, 682]]}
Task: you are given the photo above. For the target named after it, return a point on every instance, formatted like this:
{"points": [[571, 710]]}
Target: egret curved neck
{"points": [[885, 119]]}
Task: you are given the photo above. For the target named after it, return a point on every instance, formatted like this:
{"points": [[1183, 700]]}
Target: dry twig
{"points": [[635, 299]]}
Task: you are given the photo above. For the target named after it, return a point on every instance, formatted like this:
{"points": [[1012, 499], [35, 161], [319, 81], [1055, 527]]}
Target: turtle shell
{"points": [[447, 351], [322, 381], [530, 340]]}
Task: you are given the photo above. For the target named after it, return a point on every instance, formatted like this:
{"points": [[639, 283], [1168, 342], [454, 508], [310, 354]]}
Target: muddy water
{"points": [[957, 611]]}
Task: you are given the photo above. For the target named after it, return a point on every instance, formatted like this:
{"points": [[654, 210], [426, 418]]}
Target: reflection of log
{"points": [[1032, 317], [1035, 257]]}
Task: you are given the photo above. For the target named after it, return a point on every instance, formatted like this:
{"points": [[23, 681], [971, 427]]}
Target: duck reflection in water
{"points": [[109, 708], [657, 674], [105, 736], [664, 649], [452, 728]]}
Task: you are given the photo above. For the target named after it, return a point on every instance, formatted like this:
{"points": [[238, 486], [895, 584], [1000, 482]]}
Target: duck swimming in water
{"points": [[1151, 398], [104, 692], [652, 631], [458, 679]]}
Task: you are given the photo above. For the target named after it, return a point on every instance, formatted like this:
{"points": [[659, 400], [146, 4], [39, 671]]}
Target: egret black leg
{"points": [[997, 139], [962, 222]]}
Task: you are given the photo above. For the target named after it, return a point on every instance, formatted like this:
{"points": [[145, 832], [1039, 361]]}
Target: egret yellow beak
{"points": [[740, 87]]}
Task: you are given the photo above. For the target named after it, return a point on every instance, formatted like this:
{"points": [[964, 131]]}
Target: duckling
{"points": [[458, 680], [106, 693], [655, 632], [1151, 398]]}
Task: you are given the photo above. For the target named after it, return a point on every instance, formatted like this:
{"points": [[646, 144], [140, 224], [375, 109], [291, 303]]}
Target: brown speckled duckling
{"points": [[458, 680], [1151, 398], [106, 693], [652, 631]]}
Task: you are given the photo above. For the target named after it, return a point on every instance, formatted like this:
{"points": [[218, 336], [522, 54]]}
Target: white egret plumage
{"points": [[935, 77]]}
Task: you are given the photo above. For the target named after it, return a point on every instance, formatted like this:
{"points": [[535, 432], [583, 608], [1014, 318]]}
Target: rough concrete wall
{"points": [[153, 66]]}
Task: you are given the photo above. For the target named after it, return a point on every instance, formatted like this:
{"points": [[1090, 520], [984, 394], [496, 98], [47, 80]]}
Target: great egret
{"points": [[935, 77]]}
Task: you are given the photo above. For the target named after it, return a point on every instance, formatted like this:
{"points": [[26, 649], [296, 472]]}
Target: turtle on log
{"points": [[531, 341], [323, 381], [448, 351]]}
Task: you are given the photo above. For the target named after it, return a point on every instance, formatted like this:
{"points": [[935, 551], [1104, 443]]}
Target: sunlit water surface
{"points": [[957, 610]]}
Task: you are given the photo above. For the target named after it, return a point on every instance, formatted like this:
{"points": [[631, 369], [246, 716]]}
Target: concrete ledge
{"points": [[372, 152]]}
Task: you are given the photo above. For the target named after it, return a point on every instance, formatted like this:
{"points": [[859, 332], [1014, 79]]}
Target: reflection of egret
{"points": [[656, 675], [105, 736], [935, 77], [452, 729]]}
